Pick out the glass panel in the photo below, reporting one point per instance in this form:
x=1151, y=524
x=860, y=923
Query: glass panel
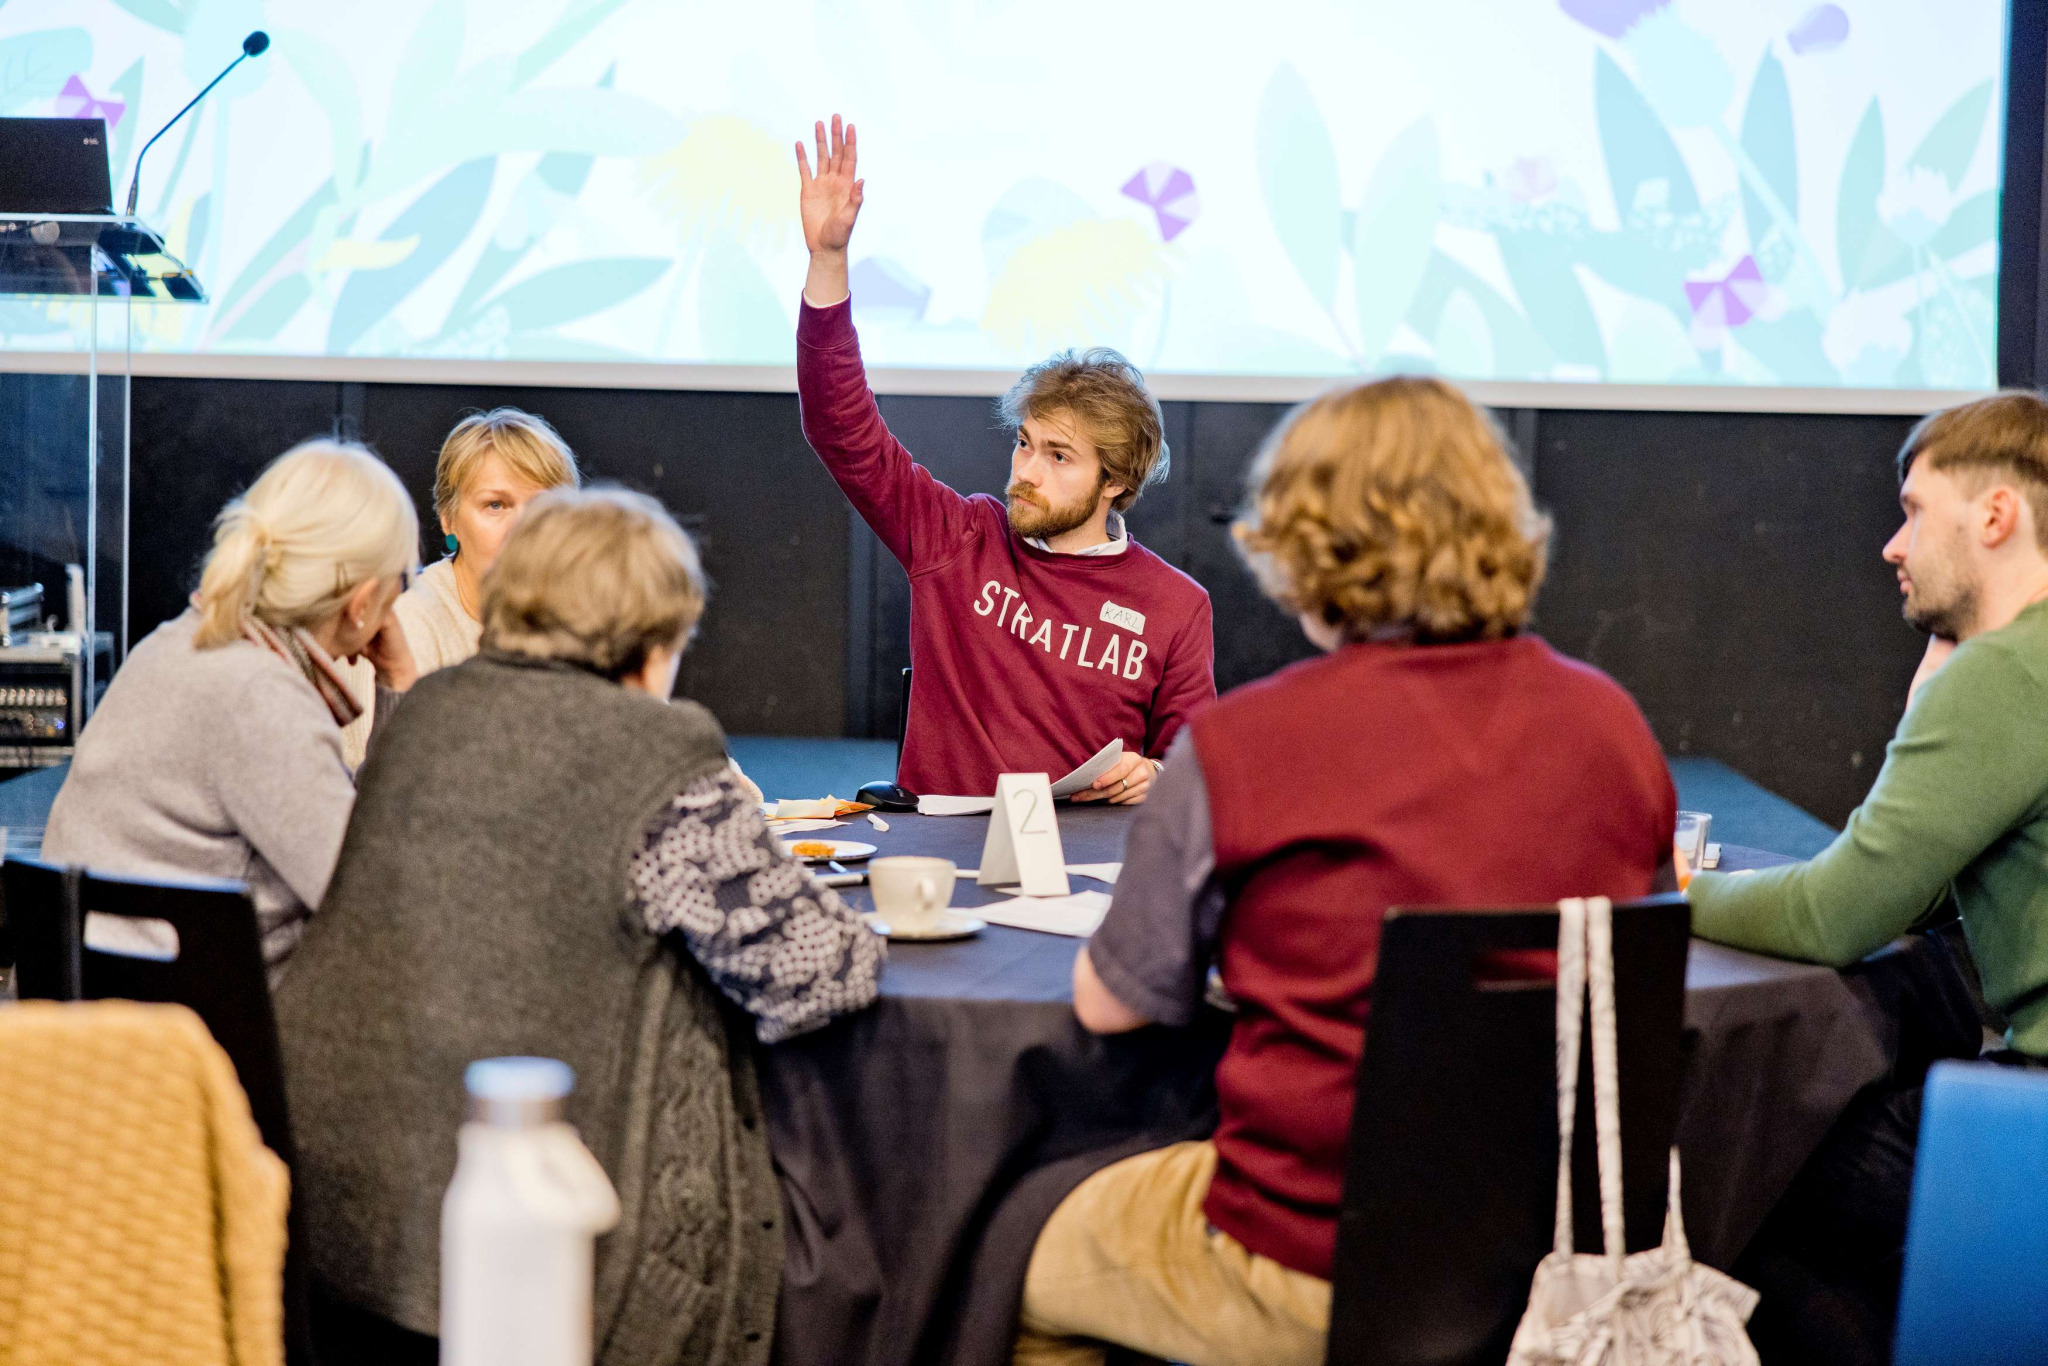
x=60, y=255
x=64, y=445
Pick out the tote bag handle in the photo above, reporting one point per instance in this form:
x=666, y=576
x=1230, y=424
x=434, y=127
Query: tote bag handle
x=1585, y=959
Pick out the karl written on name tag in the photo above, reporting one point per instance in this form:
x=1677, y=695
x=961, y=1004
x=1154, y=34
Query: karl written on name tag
x=1023, y=844
x=1128, y=618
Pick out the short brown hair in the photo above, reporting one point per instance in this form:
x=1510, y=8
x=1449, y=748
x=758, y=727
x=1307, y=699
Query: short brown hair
x=597, y=577
x=2005, y=434
x=1108, y=398
x=529, y=444
x=1395, y=506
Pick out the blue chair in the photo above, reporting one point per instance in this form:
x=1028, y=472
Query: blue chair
x=1975, y=1288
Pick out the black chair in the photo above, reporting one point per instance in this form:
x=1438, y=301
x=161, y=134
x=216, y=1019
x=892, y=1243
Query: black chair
x=216, y=970
x=1450, y=1182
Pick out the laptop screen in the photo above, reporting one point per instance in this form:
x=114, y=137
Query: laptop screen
x=54, y=166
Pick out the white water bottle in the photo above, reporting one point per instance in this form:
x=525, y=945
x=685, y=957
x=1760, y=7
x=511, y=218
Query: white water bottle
x=517, y=1225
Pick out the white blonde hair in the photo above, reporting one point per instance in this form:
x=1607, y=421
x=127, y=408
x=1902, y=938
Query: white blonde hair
x=321, y=520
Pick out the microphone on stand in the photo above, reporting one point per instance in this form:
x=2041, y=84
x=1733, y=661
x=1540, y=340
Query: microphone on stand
x=252, y=46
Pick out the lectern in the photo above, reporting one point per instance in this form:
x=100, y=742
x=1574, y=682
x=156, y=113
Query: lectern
x=69, y=284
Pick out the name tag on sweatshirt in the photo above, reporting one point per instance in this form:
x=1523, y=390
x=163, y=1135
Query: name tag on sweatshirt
x=1128, y=618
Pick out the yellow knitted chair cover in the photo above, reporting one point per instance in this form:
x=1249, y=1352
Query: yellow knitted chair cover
x=141, y=1217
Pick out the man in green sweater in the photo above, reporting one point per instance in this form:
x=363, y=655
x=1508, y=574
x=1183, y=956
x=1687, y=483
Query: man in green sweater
x=1959, y=808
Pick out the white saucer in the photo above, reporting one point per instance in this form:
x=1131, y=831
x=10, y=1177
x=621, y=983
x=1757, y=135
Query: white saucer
x=845, y=851
x=951, y=925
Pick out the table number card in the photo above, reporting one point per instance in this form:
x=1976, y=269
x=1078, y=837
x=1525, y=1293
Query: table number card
x=1023, y=844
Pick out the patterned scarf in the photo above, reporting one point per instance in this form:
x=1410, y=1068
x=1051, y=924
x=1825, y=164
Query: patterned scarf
x=297, y=648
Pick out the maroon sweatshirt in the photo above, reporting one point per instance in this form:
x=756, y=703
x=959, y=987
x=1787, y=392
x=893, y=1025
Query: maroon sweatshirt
x=1496, y=773
x=1025, y=661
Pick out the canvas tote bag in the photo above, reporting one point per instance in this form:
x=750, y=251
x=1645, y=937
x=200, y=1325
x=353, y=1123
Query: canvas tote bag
x=1654, y=1308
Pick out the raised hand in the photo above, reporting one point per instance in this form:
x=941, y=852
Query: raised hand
x=830, y=200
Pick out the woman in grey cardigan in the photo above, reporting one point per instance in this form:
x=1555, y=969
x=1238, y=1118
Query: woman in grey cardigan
x=217, y=749
x=549, y=857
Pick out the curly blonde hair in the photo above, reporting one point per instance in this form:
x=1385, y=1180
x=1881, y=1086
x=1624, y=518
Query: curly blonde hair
x=1393, y=507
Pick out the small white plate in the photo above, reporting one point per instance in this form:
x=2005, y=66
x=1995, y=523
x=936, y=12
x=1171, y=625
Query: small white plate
x=951, y=925
x=843, y=850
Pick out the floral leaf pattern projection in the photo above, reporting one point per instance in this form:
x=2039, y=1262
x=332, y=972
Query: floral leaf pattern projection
x=1581, y=191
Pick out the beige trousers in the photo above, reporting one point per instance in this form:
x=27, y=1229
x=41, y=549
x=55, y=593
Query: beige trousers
x=1128, y=1259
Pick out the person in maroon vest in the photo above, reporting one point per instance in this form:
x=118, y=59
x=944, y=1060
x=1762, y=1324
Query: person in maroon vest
x=1040, y=630
x=1438, y=755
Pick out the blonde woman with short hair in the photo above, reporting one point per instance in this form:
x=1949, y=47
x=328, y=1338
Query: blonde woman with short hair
x=490, y=467
x=217, y=751
x=550, y=857
x=1436, y=755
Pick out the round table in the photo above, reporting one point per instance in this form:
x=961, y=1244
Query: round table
x=922, y=1143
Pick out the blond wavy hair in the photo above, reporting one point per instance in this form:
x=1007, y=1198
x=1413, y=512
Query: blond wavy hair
x=320, y=520
x=599, y=578
x=1394, y=508
x=529, y=446
x=1107, y=398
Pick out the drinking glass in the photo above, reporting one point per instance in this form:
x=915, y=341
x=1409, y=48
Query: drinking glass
x=1690, y=839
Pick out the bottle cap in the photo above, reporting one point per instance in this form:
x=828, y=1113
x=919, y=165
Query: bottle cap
x=517, y=1093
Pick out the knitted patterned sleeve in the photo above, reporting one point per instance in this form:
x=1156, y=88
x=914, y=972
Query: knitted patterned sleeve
x=783, y=947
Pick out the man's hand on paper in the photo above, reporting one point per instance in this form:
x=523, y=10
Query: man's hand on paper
x=1124, y=785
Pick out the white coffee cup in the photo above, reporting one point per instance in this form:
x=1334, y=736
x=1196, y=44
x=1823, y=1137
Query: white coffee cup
x=911, y=892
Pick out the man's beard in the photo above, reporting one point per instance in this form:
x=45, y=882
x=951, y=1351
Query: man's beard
x=1035, y=520
x=1943, y=599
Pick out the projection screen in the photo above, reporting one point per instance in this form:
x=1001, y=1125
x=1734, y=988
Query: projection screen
x=1692, y=203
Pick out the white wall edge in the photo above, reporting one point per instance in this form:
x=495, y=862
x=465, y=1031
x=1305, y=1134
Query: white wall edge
x=1172, y=387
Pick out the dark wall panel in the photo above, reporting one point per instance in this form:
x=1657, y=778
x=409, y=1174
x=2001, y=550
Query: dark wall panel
x=1253, y=637
x=194, y=444
x=43, y=481
x=1725, y=568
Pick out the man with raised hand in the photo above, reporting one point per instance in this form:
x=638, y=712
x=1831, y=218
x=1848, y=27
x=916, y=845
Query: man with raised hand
x=1959, y=810
x=1039, y=629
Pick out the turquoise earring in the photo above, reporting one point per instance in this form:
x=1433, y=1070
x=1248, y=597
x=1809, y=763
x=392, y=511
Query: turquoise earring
x=450, y=541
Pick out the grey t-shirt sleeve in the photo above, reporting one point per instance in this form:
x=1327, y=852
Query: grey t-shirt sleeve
x=1154, y=947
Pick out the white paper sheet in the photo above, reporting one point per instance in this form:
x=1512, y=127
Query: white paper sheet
x=1102, y=762
x=799, y=827
x=955, y=806
x=1101, y=872
x=1105, y=759
x=1075, y=916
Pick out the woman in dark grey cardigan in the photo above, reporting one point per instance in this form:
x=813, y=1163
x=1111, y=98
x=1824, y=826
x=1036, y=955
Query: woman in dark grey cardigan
x=549, y=857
